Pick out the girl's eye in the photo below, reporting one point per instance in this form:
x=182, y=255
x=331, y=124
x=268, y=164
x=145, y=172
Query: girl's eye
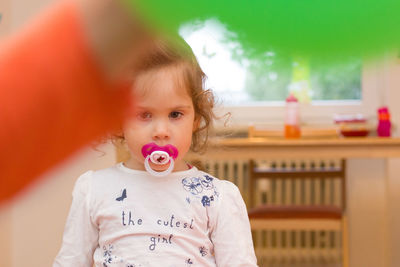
x=144, y=115
x=175, y=114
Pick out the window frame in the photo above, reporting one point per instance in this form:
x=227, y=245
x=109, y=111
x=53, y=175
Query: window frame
x=316, y=112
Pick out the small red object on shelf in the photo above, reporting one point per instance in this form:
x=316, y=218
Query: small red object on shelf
x=384, y=124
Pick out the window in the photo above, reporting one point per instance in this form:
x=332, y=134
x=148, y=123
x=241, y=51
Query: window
x=254, y=88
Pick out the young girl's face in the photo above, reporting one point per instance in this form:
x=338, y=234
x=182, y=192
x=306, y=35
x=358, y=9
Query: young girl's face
x=163, y=113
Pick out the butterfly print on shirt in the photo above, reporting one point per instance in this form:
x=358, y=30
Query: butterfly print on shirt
x=123, y=196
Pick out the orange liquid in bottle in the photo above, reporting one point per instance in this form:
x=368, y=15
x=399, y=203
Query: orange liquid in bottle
x=292, y=128
x=292, y=131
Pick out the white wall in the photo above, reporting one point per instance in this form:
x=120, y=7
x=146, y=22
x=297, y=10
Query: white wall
x=6, y=238
x=5, y=20
x=23, y=11
x=38, y=216
x=367, y=212
x=374, y=188
x=392, y=98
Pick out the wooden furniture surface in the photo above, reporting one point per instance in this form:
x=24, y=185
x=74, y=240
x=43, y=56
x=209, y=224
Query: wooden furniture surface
x=365, y=147
x=290, y=216
x=306, y=132
x=239, y=148
x=326, y=173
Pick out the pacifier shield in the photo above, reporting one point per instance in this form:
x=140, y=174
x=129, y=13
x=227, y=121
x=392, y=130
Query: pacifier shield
x=151, y=147
x=159, y=155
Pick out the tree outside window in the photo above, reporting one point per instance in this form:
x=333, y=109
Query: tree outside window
x=243, y=78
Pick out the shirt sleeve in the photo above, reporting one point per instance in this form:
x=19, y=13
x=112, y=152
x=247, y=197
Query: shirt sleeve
x=230, y=230
x=54, y=97
x=81, y=234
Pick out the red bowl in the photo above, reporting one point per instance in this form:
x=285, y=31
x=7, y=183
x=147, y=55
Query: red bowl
x=355, y=133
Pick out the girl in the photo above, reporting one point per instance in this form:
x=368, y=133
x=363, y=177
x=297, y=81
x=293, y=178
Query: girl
x=155, y=209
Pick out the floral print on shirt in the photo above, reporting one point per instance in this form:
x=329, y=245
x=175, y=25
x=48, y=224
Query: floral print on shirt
x=107, y=255
x=201, y=188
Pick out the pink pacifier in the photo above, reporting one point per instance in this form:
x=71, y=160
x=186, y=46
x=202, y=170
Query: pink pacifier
x=159, y=155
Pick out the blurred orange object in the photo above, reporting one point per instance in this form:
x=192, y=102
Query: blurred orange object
x=54, y=98
x=292, y=117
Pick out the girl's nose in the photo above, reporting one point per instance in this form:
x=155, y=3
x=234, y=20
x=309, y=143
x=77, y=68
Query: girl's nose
x=161, y=130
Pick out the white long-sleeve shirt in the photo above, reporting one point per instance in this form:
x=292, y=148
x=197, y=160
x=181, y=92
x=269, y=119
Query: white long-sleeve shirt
x=128, y=218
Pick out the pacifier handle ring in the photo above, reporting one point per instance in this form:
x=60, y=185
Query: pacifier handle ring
x=156, y=173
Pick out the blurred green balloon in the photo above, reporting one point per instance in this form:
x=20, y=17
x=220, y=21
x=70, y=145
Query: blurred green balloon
x=337, y=28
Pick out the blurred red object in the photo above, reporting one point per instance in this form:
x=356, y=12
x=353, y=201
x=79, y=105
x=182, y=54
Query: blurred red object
x=384, y=123
x=352, y=125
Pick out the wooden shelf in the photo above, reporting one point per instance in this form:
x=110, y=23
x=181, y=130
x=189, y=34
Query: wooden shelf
x=365, y=147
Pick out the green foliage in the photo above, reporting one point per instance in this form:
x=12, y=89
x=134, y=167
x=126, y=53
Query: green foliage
x=268, y=77
x=337, y=81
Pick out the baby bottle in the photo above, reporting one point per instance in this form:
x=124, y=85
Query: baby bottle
x=292, y=127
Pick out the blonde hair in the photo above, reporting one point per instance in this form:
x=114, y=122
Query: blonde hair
x=176, y=53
